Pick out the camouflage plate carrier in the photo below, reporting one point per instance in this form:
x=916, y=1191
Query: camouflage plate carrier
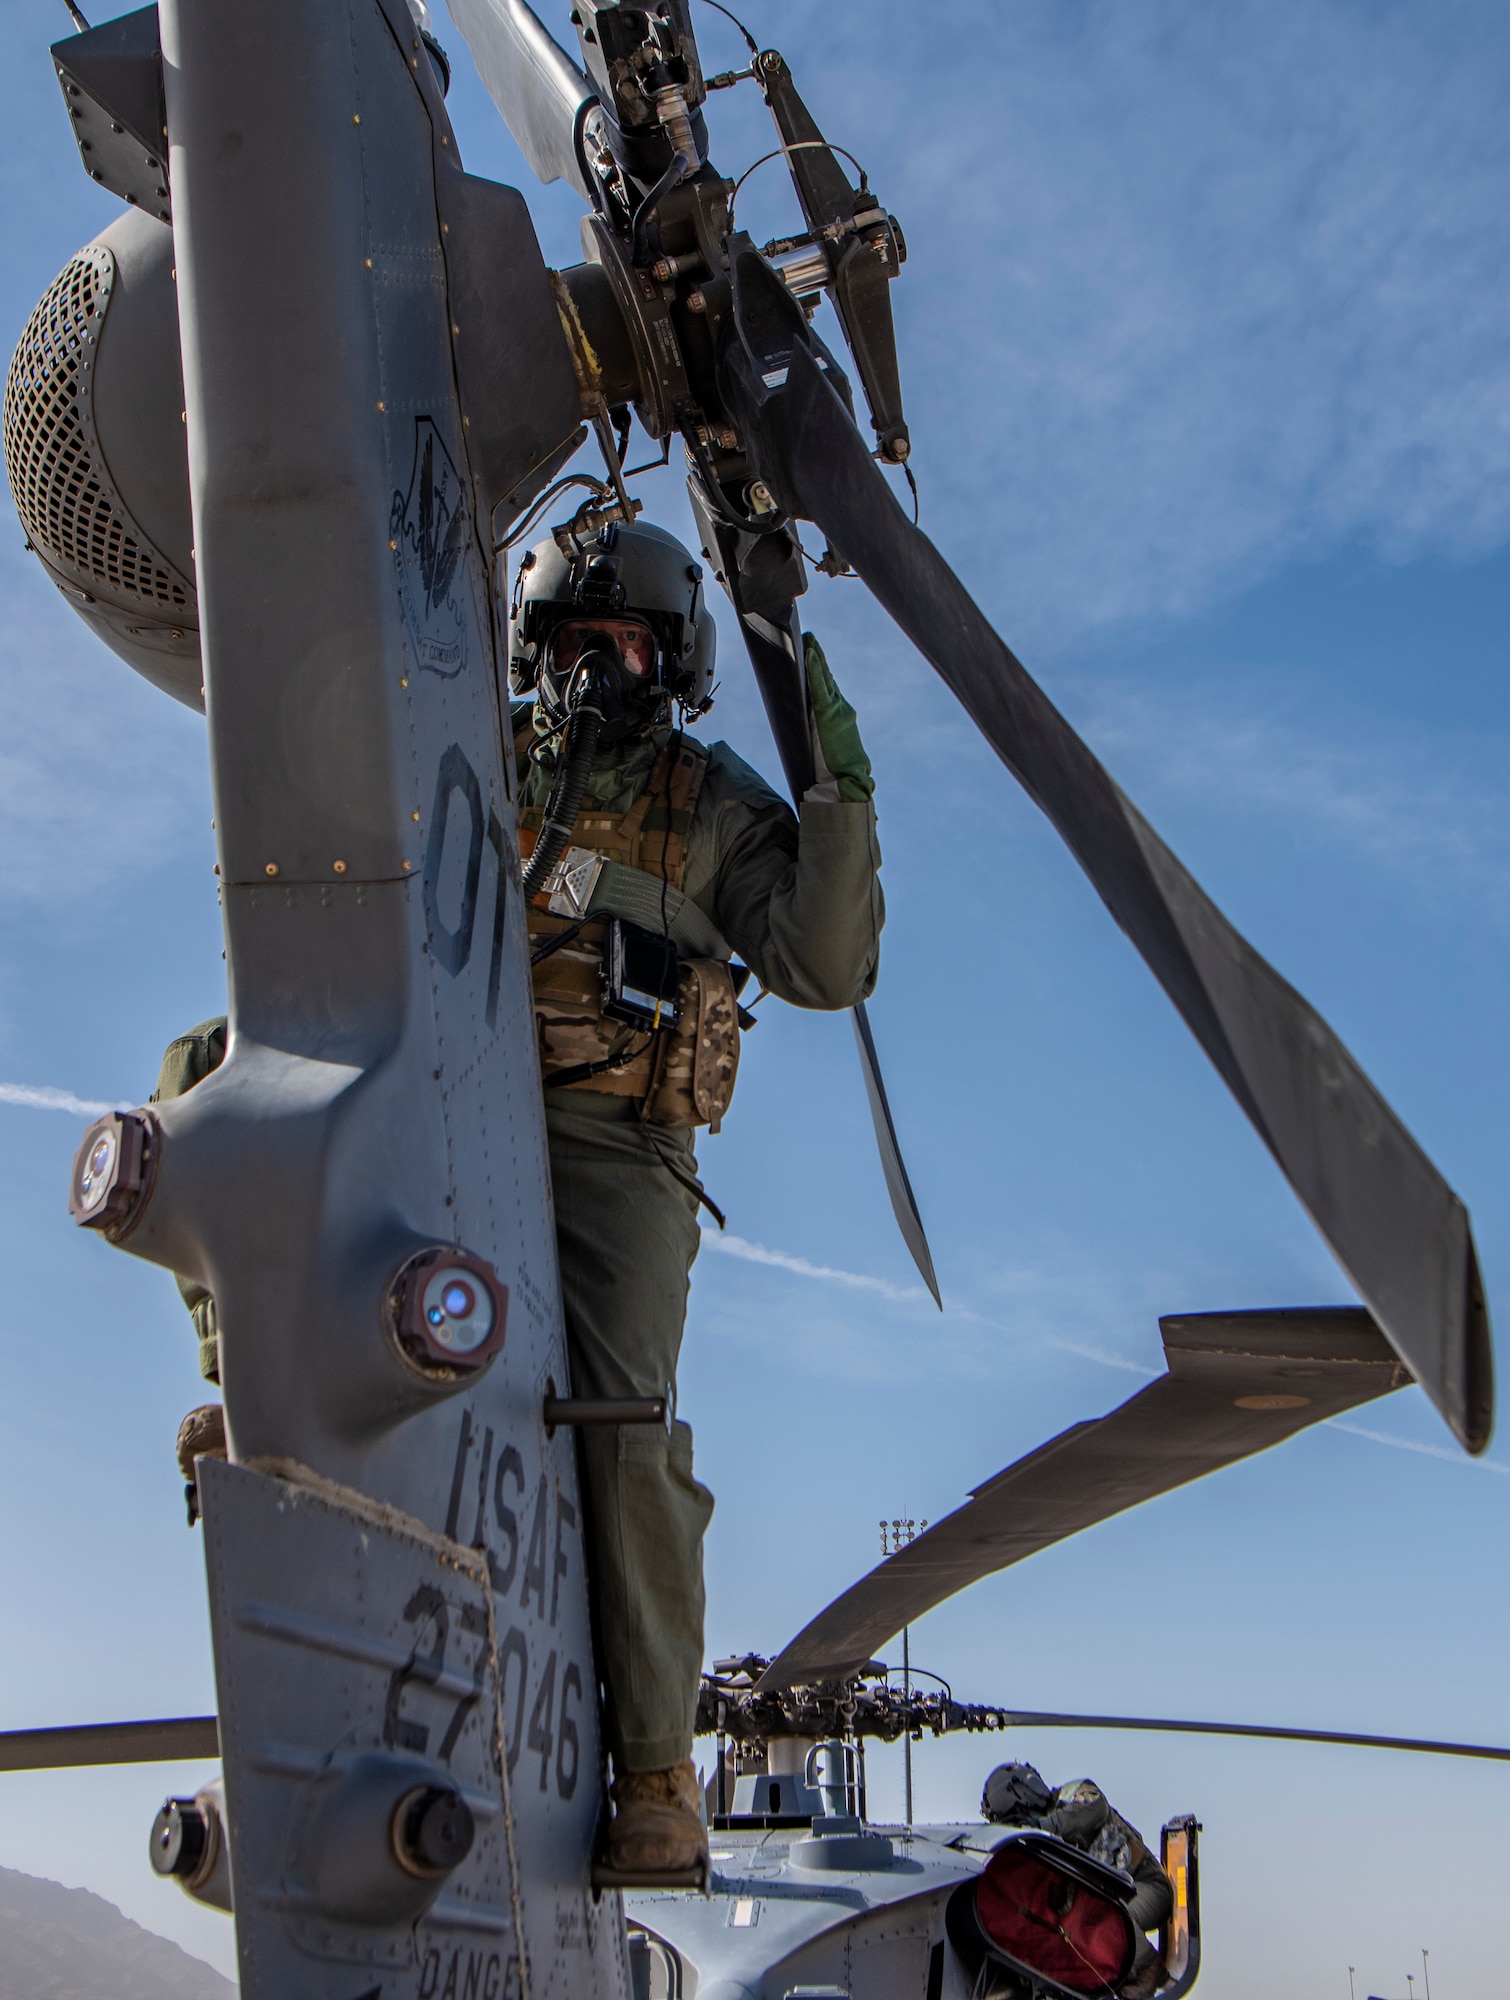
x=679, y=1076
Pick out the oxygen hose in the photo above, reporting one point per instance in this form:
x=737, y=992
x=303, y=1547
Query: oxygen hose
x=577, y=752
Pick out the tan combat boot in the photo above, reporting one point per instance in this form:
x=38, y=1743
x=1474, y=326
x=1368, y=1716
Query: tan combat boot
x=657, y=1822
x=200, y=1435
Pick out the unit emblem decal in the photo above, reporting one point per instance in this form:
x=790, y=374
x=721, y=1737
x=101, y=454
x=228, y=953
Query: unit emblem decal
x=428, y=528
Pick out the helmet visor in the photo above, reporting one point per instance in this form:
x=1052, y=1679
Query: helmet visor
x=634, y=639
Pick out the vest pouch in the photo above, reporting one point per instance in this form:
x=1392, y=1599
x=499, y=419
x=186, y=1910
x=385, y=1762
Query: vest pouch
x=697, y=1061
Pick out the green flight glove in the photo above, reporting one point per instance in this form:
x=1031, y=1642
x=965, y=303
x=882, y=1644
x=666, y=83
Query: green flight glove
x=840, y=753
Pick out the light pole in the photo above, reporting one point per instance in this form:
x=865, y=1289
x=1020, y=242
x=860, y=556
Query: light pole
x=1350, y=1993
x=903, y=1532
x=1410, y=1980
x=1426, y=1971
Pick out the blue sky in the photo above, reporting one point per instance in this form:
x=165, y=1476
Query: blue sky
x=1204, y=340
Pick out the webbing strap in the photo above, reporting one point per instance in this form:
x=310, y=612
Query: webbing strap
x=655, y=906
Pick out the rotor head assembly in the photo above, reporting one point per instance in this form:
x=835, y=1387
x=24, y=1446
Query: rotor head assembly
x=644, y=65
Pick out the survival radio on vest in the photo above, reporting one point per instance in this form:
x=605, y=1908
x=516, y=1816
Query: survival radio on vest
x=641, y=976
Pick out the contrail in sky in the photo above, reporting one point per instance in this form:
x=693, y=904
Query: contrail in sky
x=1413, y=1444
x=40, y=1098
x=783, y=1260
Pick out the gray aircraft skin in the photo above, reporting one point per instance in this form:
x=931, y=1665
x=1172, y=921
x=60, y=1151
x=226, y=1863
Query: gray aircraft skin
x=394, y=1554
x=378, y=378
x=840, y=1907
x=778, y=1920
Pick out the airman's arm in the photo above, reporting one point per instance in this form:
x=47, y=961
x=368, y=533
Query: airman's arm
x=799, y=898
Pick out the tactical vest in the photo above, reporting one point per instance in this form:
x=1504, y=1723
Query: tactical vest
x=680, y=1076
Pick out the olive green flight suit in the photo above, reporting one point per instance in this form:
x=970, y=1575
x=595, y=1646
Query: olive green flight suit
x=800, y=902
x=188, y=1061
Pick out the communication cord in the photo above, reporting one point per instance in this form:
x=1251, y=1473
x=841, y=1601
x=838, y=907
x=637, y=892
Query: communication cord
x=577, y=752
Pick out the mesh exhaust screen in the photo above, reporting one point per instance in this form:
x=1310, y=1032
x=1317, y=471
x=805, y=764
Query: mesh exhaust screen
x=68, y=506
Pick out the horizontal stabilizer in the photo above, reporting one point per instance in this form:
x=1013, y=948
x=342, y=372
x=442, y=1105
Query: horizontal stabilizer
x=1238, y=1383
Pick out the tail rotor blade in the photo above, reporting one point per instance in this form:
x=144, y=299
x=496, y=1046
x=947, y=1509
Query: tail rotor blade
x=762, y=578
x=1389, y=1217
x=541, y=93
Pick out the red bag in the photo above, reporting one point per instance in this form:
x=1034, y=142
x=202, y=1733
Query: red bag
x=1036, y=1914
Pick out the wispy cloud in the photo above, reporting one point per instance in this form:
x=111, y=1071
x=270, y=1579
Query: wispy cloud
x=1023, y=1325
x=39, y=1097
x=1202, y=288
x=100, y=775
x=802, y=1267
x=1440, y=821
x=1414, y=1444
x=1086, y=1352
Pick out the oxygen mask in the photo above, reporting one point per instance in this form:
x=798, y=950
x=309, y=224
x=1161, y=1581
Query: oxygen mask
x=614, y=661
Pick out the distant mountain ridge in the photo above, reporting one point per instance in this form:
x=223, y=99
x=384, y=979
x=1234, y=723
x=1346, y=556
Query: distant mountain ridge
x=69, y=1944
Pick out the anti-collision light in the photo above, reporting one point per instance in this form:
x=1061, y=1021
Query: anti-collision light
x=113, y=1173
x=447, y=1312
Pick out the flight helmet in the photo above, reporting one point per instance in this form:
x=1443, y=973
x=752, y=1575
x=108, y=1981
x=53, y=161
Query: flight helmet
x=1016, y=1795
x=633, y=596
x=1080, y=1811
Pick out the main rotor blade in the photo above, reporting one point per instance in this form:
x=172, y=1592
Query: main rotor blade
x=1025, y=1718
x=1395, y=1226
x=1237, y=1383
x=542, y=94
x=167, y=1742
x=761, y=582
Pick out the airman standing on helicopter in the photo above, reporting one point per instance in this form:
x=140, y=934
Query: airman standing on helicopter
x=724, y=868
